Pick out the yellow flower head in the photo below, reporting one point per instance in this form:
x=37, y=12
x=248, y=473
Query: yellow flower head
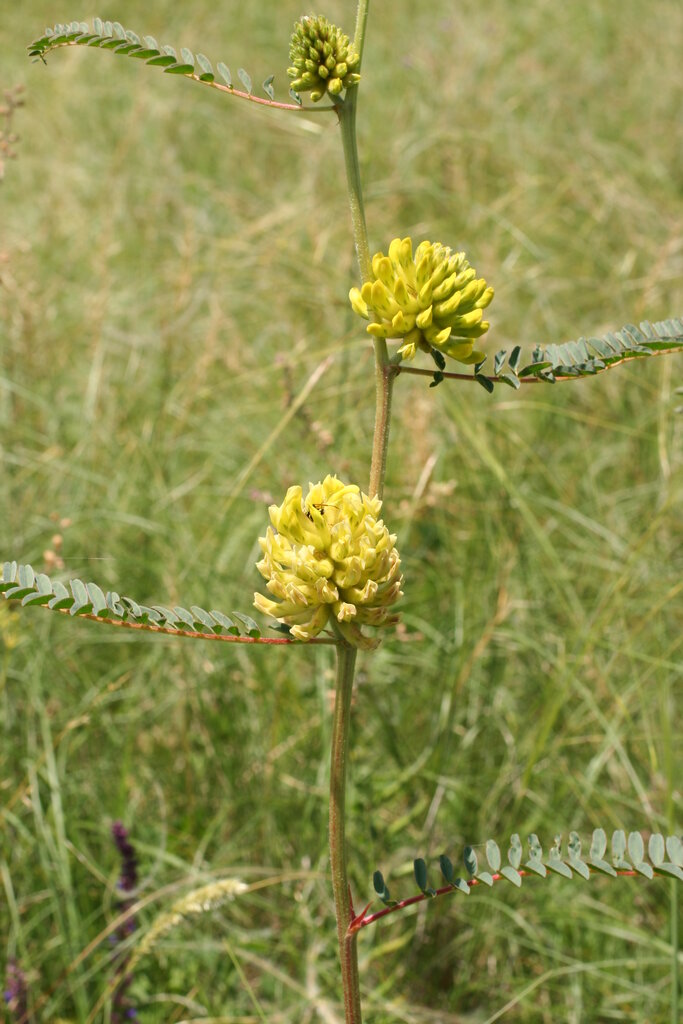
x=432, y=300
x=329, y=558
x=323, y=58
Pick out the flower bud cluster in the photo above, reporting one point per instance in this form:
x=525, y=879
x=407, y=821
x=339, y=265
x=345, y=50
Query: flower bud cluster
x=323, y=59
x=432, y=300
x=329, y=559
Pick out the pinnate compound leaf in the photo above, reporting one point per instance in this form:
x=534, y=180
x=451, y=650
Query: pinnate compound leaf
x=554, y=862
x=588, y=356
x=21, y=583
x=107, y=35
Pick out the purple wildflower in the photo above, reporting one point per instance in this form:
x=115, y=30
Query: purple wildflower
x=16, y=993
x=122, y=1009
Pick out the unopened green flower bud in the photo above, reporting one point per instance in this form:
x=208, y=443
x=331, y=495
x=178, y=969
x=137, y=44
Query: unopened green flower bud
x=323, y=59
x=329, y=559
x=432, y=300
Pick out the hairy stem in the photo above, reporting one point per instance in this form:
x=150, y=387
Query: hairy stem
x=385, y=373
x=675, y=986
x=346, y=663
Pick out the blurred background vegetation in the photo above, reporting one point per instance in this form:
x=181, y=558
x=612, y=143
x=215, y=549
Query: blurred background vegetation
x=175, y=266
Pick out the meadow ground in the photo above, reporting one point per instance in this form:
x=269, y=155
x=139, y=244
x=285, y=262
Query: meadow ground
x=175, y=266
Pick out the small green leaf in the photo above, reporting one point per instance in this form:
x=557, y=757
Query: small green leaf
x=636, y=847
x=225, y=622
x=470, y=859
x=462, y=886
x=574, y=856
x=672, y=870
x=182, y=615
x=178, y=69
x=674, y=848
x=515, y=851
x=114, y=605
x=598, y=844
x=535, y=862
x=164, y=60
x=619, y=849
x=485, y=877
x=224, y=72
x=420, y=872
x=498, y=361
x=509, y=378
x=380, y=887
x=250, y=626
x=244, y=79
x=446, y=868
x=513, y=361
x=205, y=67
x=511, y=875
x=485, y=382
x=82, y=604
x=144, y=54
x=268, y=87
x=555, y=861
x=187, y=56
x=165, y=613
x=203, y=621
x=656, y=849
x=26, y=576
x=62, y=598
x=295, y=96
x=97, y=599
x=133, y=608
x=493, y=855
x=9, y=570
x=42, y=591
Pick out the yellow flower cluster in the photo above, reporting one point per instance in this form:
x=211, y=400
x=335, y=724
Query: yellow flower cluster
x=432, y=300
x=329, y=559
x=323, y=58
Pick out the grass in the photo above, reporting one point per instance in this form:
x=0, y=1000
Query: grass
x=175, y=267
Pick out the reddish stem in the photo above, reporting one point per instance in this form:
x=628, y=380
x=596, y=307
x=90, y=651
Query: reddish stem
x=361, y=921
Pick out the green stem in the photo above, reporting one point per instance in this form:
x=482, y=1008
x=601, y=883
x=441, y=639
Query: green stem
x=346, y=663
x=385, y=372
x=675, y=987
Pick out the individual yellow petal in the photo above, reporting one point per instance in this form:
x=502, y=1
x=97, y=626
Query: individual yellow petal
x=358, y=303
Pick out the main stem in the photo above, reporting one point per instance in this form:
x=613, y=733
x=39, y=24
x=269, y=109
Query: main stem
x=675, y=987
x=385, y=374
x=346, y=663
